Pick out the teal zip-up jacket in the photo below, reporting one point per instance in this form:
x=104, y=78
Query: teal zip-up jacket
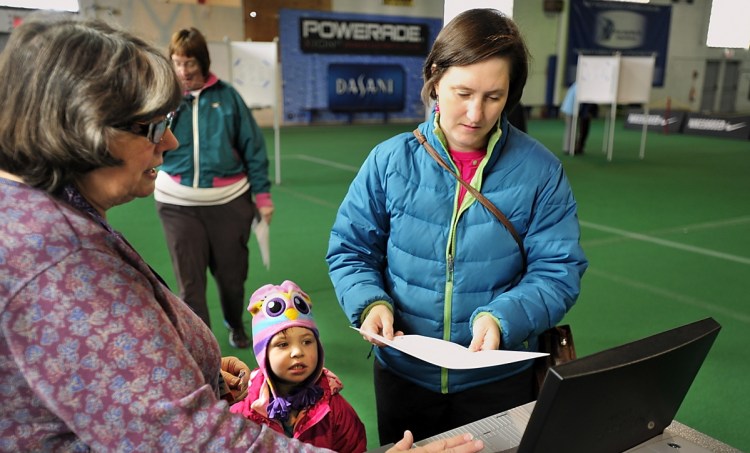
x=229, y=141
x=399, y=237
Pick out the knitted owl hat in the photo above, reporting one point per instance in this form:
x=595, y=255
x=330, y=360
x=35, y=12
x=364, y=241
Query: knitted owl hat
x=274, y=309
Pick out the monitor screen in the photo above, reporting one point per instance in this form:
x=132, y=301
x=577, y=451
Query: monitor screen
x=618, y=398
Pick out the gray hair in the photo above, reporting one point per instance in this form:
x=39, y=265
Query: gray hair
x=67, y=84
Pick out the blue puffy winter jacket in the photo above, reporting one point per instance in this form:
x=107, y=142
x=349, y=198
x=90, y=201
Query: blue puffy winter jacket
x=400, y=237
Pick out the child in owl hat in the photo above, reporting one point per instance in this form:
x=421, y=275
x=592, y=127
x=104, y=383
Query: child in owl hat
x=314, y=410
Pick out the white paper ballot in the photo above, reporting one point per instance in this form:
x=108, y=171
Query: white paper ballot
x=261, y=230
x=451, y=355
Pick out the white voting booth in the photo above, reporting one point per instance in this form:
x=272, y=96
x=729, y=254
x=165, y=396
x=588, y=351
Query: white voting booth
x=252, y=69
x=613, y=79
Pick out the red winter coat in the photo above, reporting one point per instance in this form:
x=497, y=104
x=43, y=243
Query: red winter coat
x=331, y=423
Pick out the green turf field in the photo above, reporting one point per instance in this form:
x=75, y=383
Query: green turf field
x=667, y=237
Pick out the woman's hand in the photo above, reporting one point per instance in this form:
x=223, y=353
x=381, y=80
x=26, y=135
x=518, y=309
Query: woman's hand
x=463, y=443
x=266, y=212
x=485, y=334
x=237, y=376
x=379, y=321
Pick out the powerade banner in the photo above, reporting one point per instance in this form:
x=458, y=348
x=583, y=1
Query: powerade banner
x=365, y=87
x=318, y=35
x=342, y=67
x=603, y=28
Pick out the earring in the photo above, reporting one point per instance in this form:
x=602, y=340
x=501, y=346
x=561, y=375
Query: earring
x=437, y=105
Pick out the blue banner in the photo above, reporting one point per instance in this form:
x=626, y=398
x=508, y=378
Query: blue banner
x=384, y=56
x=603, y=28
x=365, y=87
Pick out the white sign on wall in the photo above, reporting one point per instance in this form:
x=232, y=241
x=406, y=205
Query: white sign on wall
x=254, y=72
x=250, y=67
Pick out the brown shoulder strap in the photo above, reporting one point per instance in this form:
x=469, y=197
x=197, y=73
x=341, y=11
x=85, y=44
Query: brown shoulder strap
x=482, y=199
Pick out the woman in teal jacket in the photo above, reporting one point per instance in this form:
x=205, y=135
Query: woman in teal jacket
x=212, y=186
x=411, y=252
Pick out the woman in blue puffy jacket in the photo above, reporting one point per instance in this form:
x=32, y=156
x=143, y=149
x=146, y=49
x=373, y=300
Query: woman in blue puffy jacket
x=411, y=252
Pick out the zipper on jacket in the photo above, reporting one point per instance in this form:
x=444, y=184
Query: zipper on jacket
x=450, y=267
x=451, y=246
x=196, y=144
x=447, y=308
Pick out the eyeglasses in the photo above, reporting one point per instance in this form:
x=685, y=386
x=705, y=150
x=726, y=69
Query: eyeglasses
x=189, y=64
x=154, y=132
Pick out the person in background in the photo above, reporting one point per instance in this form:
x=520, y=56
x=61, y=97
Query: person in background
x=209, y=189
x=586, y=112
x=412, y=252
x=291, y=391
x=96, y=353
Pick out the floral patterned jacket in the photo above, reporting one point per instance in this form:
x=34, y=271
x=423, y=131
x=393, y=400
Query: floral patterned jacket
x=95, y=352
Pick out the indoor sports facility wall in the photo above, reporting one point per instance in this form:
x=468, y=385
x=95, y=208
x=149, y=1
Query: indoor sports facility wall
x=343, y=67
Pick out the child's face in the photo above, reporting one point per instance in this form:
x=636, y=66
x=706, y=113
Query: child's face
x=293, y=355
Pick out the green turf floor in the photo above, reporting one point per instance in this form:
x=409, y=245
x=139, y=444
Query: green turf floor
x=668, y=239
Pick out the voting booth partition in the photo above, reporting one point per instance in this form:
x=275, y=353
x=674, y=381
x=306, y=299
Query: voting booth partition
x=252, y=69
x=613, y=79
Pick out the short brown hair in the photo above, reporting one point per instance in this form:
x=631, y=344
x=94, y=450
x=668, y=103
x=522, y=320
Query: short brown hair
x=191, y=43
x=472, y=37
x=66, y=84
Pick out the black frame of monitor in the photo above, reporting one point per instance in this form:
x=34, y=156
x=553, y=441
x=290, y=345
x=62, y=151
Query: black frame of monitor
x=618, y=398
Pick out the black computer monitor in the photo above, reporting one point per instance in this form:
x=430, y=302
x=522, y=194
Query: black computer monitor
x=616, y=399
